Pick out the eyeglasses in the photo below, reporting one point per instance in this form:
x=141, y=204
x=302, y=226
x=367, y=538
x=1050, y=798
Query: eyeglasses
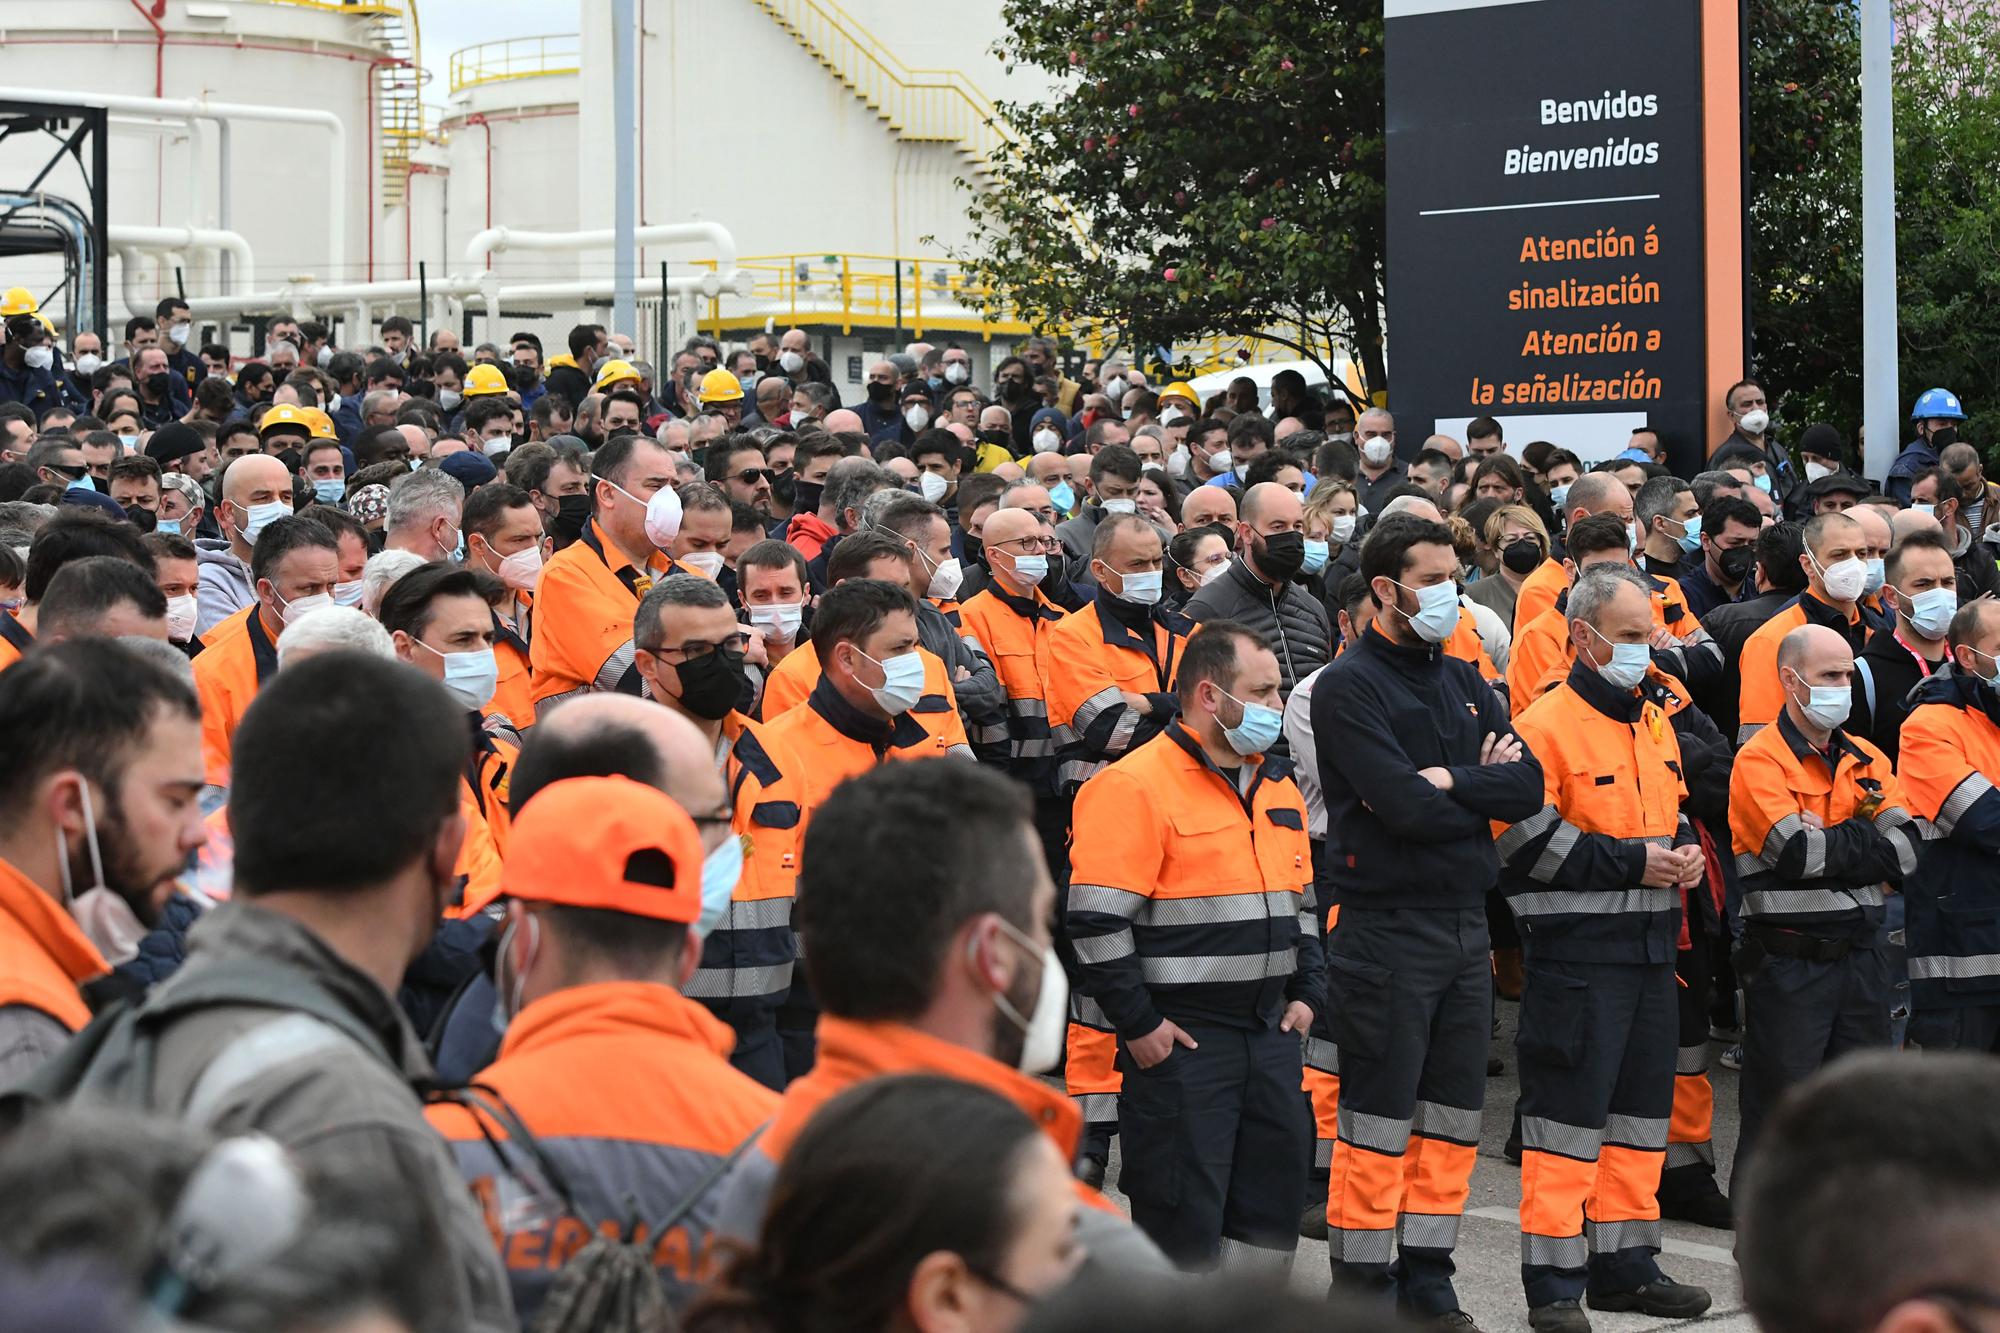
x=695, y=651
x=1030, y=545
x=750, y=476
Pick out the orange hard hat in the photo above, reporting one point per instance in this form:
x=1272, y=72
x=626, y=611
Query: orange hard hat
x=608, y=844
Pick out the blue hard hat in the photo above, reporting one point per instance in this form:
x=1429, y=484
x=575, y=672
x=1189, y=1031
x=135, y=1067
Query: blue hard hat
x=1941, y=403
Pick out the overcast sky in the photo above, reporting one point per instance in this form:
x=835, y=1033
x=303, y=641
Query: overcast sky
x=451, y=25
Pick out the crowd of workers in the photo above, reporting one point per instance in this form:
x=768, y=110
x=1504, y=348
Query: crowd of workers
x=464, y=864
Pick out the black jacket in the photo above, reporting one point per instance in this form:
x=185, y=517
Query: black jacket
x=1731, y=626
x=1885, y=674
x=1380, y=714
x=1290, y=620
x=568, y=382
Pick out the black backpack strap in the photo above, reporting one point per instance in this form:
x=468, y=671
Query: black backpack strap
x=708, y=1181
x=484, y=1102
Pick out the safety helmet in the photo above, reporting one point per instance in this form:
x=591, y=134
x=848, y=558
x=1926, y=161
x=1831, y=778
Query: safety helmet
x=318, y=422
x=284, y=414
x=721, y=386
x=1941, y=403
x=1183, y=392
x=18, y=301
x=612, y=373
x=482, y=380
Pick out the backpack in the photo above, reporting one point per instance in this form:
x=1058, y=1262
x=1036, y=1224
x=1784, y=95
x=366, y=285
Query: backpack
x=112, y=1059
x=609, y=1285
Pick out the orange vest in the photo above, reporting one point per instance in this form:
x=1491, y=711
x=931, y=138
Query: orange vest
x=482, y=798
x=792, y=682
x=514, y=693
x=585, y=601
x=1538, y=593
x=44, y=955
x=14, y=640
x=239, y=657
x=827, y=756
x=1761, y=697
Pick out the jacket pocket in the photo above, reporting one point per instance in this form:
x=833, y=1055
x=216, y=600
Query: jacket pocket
x=1358, y=997
x=1554, y=1010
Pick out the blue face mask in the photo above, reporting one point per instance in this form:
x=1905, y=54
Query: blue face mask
x=329, y=490
x=170, y=526
x=1628, y=664
x=1437, y=611
x=1316, y=555
x=1257, y=732
x=1062, y=497
x=1763, y=481
x=720, y=871
x=1559, y=495
x=1690, y=537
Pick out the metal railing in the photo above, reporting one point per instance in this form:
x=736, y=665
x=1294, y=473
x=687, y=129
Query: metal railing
x=515, y=58
x=936, y=105
x=860, y=291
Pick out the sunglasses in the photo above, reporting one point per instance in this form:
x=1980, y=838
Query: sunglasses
x=750, y=476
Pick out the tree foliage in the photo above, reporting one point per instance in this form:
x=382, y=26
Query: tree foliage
x=1215, y=167
x=1208, y=168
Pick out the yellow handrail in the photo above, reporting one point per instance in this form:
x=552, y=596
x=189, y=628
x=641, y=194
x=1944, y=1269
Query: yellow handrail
x=515, y=58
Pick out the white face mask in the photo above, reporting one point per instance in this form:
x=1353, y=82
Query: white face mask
x=1043, y=1031
x=521, y=569
x=1214, y=572
x=1220, y=461
x=663, y=513
x=325, y=357
x=1177, y=462
x=705, y=563
x=916, y=418
x=791, y=362
x=1342, y=530
x=448, y=400
x=1753, y=423
x=957, y=372
x=39, y=358
x=1047, y=441
x=349, y=592
x=291, y=612
x=1844, y=580
x=780, y=621
x=1121, y=506
x=178, y=334
x=1172, y=416
x=932, y=487
x=1114, y=389
x=1375, y=450
x=88, y=363
x=181, y=612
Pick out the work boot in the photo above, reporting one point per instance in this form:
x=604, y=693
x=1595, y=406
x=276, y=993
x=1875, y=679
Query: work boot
x=1663, y=1298
x=1090, y=1170
x=1704, y=1210
x=1451, y=1321
x=1495, y=1066
x=1312, y=1222
x=1559, y=1317
x=1511, y=1150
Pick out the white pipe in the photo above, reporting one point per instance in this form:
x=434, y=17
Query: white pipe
x=305, y=298
x=665, y=233
x=152, y=240
x=222, y=113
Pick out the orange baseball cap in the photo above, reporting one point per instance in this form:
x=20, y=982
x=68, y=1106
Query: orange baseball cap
x=609, y=844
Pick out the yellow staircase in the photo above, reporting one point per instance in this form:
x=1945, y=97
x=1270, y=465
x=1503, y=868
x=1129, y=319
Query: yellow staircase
x=923, y=105
x=399, y=112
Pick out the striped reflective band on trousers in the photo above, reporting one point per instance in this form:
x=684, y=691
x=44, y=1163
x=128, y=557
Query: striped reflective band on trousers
x=1632, y=1234
x=1690, y=1154
x=1322, y=1055
x=1540, y=1134
x=1963, y=797
x=1360, y=1247
x=1554, y=1251
x=1691, y=1059
x=1941, y=967
x=1087, y=1012
x=1098, y=1108
x=1433, y=1120
x=1427, y=1231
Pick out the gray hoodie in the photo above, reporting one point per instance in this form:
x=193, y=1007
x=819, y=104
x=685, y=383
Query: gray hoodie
x=224, y=587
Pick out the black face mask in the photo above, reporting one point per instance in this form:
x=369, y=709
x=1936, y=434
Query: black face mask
x=1737, y=562
x=784, y=487
x=999, y=437
x=1522, y=555
x=712, y=685
x=763, y=363
x=160, y=385
x=143, y=519
x=1944, y=437
x=572, y=514
x=291, y=458
x=881, y=394
x=805, y=495
x=975, y=549
x=1280, y=555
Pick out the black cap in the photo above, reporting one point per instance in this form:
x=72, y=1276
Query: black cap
x=173, y=442
x=1823, y=441
x=1838, y=483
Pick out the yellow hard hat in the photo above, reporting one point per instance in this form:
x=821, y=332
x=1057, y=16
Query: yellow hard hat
x=284, y=414
x=1181, y=391
x=614, y=372
x=320, y=423
x=720, y=386
x=482, y=380
x=18, y=301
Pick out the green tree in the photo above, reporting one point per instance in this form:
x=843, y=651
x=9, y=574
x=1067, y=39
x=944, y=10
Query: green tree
x=1222, y=166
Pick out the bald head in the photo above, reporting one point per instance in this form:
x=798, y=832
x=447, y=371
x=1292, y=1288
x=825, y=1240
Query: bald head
x=1447, y=446
x=1876, y=533
x=1413, y=506
x=1812, y=657
x=842, y=419
x=1267, y=500
x=1908, y=521
x=1598, y=493
x=1832, y=537
x=593, y=724
x=250, y=475
x=1006, y=525
x=1208, y=504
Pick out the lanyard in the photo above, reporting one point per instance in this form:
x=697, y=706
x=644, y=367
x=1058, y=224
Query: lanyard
x=1923, y=663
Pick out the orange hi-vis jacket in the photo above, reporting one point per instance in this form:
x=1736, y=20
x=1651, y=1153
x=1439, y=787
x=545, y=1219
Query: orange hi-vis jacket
x=1017, y=633
x=794, y=679
x=851, y=1053
x=1542, y=654
x=585, y=601
x=14, y=640
x=831, y=741
x=1613, y=781
x=1539, y=591
x=44, y=954
x=1093, y=660
x=1466, y=645
x=627, y=1088
x=1949, y=761
x=489, y=770
x=1190, y=894
x=1762, y=698
x=746, y=962
x=239, y=658
x=514, y=693
x=1824, y=878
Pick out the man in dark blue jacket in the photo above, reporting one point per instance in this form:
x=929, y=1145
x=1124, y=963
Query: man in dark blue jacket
x=1416, y=759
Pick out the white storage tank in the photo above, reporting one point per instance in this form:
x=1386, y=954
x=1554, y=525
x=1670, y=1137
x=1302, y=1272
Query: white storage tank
x=511, y=132
x=285, y=187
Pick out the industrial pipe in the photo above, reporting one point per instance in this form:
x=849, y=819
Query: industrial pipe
x=153, y=240
x=664, y=233
x=222, y=113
